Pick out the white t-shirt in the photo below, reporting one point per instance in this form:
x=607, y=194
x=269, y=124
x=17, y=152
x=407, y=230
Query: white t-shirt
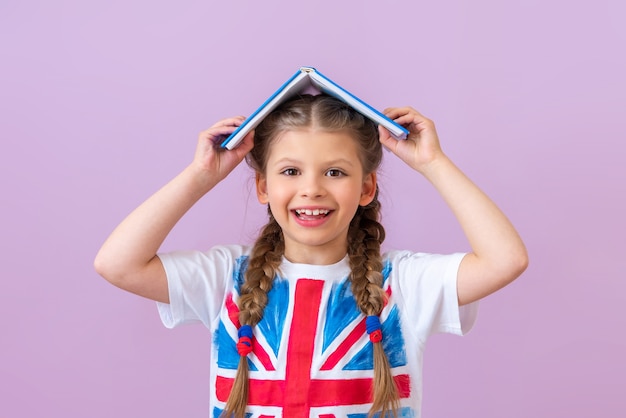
x=312, y=356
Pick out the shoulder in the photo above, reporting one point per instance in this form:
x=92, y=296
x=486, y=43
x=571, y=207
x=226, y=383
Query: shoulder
x=216, y=253
x=221, y=257
x=425, y=287
x=400, y=256
x=410, y=264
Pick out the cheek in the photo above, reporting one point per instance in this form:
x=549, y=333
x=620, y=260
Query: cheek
x=277, y=191
x=349, y=194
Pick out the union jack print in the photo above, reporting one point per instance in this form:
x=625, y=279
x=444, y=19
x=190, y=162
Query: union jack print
x=311, y=354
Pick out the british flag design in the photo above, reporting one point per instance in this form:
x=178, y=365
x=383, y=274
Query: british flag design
x=311, y=354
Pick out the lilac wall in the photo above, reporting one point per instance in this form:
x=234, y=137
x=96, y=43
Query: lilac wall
x=101, y=104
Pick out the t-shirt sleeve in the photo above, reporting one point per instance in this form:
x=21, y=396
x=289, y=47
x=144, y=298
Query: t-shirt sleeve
x=428, y=287
x=197, y=283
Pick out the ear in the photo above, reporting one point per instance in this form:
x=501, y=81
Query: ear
x=261, y=188
x=368, y=189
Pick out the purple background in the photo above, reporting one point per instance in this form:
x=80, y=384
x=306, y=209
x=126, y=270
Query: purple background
x=101, y=103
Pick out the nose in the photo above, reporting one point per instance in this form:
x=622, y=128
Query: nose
x=312, y=187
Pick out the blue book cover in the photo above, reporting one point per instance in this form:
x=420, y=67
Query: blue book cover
x=307, y=78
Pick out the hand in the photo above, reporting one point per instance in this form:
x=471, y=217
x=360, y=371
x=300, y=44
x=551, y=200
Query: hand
x=421, y=147
x=215, y=161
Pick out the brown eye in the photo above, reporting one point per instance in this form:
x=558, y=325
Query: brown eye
x=290, y=172
x=333, y=172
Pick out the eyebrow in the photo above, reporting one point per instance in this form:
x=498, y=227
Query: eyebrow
x=338, y=161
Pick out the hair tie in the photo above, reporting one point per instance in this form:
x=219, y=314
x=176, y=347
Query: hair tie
x=372, y=325
x=244, y=345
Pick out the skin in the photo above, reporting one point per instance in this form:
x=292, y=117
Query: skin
x=498, y=255
x=128, y=257
x=315, y=170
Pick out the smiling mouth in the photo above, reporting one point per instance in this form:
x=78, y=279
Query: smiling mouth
x=311, y=213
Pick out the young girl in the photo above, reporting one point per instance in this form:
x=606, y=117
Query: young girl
x=313, y=321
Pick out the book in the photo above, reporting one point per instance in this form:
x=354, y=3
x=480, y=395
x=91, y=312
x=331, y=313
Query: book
x=306, y=80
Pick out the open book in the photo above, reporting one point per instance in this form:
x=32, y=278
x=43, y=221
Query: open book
x=305, y=79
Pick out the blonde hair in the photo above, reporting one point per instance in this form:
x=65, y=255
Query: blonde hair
x=365, y=236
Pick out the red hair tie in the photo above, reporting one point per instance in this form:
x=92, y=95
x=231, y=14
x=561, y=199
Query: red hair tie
x=244, y=345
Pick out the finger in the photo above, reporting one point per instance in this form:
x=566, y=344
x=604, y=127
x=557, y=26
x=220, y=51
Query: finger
x=232, y=121
x=383, y=132
x=223, y=128
x=217, y=135
x=412, y=119
x=246, y=144
x=404, y=117
x=386, y=139
x=394, y=112
x=408, y=119
x=391, y=112
x=218, y=130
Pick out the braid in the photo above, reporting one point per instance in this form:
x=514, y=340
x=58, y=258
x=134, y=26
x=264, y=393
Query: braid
x=365, y=236
x=265, y=259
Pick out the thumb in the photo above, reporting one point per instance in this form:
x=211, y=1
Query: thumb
x=245, y=145
x=386, y=139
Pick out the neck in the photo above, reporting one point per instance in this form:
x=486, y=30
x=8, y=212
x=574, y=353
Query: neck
x=315, y=255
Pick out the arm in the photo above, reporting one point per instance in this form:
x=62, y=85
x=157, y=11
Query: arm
x=128, y=257
x=498, y=255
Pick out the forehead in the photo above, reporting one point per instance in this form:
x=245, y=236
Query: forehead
x=313, y=144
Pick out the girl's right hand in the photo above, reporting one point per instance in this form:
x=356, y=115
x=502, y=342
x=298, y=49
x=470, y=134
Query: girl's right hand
x=128, y=257
x=214, y=161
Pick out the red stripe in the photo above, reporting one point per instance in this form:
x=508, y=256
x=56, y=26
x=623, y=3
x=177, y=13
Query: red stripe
x=403, y=383
x=300, y=350
x=388, y=292
x=351, y=391
x=345, y=345
x=341, y=392
x=324, y=392
x=223, y=386
x=260, y=392
x=263, y=357
x=233, y=311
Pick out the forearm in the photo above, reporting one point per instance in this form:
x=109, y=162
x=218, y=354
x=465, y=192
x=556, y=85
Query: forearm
x=136, y=240
x=498, y=254
x=128, y=257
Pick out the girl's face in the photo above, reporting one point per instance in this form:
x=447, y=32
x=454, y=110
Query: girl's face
x=314, y=183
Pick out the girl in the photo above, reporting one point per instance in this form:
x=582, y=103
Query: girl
x=313, y=320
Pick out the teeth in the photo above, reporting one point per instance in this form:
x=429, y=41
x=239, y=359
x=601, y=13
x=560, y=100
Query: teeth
x=312, y=212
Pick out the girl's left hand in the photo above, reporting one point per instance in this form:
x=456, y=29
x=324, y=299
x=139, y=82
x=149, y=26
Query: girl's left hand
x=421, y=147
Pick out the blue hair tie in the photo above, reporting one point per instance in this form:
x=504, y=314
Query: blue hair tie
x=372, y=325
x=244, y=345
x=245, y=331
